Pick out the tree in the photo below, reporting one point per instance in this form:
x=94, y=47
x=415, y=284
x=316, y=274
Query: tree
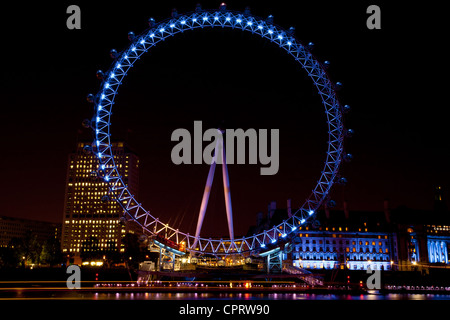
x=51, y=252
x=135, y=251
x=27, y=249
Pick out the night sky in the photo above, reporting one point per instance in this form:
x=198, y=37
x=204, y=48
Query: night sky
x=394, y=80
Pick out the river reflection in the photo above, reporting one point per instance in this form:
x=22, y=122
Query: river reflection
x=260, y=296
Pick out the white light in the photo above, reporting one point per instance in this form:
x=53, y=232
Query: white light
x=263, y=245
x=273, y=241
x=205, y=18
x=107, y=178
x=173, y=26
x=260, y=27
x=103, y=96
x=289, y=43
x=118, y=65
x=107, y=85
x=126, y=57
x=161, y=30
x=152, y=35
x=99, y=107
x=98, y=143
x=133, y=49
x=194, y=20
x=238, y=20
x=294, y=228
x=98, y=119
x=112, y=75
x=103, y=166
x=270, y=31
x=183, y=22
x=142, y=41
x=284, y=235
x=216, y=18
x=249, y=23
x=302, y=221
x=99, y=154
x=280, y=37
x=228, y=19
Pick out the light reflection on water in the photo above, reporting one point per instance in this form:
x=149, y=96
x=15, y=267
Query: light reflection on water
x=260, y=296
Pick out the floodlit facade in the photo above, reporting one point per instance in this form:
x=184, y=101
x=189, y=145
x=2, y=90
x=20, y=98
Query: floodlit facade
x=400, y=239
x=91, y=219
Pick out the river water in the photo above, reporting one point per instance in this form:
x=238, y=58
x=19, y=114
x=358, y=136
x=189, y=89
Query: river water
x=75, y=295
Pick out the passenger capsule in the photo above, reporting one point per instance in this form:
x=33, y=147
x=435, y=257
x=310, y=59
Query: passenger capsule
x=270, y=19
x=247, y=11
x=291, y=31
x=349, y=133
x=87, y=149
x=105, y=198
x=346, y=108
x=297, y=240
x=100, y=75
x=348, y=157
x=86, y=123
x=174, y=13
x=151, y=22
x=101, y=173
x=113, y=53
x=131, y=36
x=223, y=7
x=326, y=64
x=90, y=98
x=331, y=203
x=198, y=7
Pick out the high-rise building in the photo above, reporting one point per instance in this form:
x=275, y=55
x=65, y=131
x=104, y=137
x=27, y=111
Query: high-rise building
x=91, y=221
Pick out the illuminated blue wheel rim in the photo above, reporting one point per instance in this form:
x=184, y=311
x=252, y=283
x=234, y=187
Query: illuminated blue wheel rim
x=140, y=44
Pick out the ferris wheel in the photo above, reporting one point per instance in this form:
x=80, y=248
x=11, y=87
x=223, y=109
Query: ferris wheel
x=204, y=19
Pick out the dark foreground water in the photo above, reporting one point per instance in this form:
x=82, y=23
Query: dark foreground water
x=198, y=306
x=271, y=296
x=74, y=295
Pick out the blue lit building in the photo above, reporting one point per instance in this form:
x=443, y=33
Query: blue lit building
x=346, y=240
x=438, y=243
x=400, y=239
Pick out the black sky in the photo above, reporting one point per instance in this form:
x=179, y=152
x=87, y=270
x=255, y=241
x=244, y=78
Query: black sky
x=394, y=80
